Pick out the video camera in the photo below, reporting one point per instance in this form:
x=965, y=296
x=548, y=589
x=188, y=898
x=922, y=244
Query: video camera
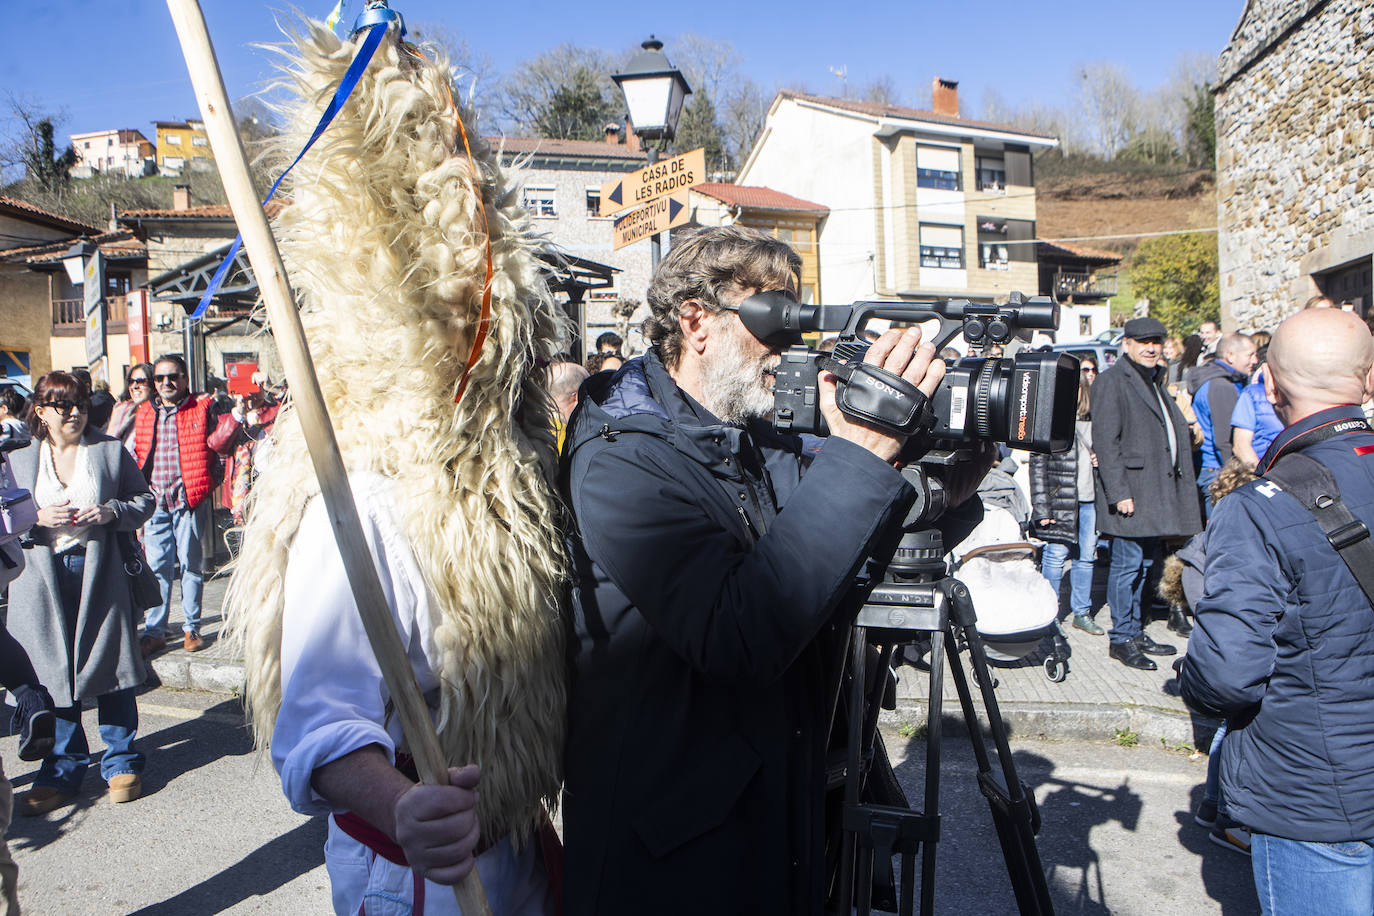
x=1029, y=402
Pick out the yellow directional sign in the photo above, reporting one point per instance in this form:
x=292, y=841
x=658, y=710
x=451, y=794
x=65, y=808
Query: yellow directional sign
x=653, y=182
x=659, y=216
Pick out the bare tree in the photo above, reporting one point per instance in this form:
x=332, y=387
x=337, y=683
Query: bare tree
x=881, y=89
x=563, y=92
x=1110, y=105
x=744, y=111
x=709, y=64
x=473, y=71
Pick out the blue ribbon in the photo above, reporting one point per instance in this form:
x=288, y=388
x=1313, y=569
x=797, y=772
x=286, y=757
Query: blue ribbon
x=355, y=71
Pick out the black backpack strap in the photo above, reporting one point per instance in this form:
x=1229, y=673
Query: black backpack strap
x=1312, y=484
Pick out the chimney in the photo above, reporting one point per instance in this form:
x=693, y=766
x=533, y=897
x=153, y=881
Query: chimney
x=631, y=138
x=181, y=197
x=944, y=97
x=613, y=133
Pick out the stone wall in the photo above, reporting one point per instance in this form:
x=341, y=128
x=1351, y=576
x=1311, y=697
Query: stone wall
x=1295, y=123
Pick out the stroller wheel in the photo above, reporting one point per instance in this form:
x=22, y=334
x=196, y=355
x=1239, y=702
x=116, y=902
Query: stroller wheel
x=1056, y=669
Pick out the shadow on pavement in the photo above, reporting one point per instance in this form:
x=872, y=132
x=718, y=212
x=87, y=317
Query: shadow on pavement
x=1226, y=875
x=257, y=874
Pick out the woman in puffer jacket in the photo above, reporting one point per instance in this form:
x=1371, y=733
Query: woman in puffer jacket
x=1062, y=511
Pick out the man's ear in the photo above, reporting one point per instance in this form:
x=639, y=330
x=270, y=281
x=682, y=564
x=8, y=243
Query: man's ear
x=693, y=320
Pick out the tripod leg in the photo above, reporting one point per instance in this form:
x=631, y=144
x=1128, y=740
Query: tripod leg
x=934, y=733
x=848, y=848
x=1014, y=820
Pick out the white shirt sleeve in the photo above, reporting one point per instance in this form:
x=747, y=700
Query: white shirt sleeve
x=333, y=698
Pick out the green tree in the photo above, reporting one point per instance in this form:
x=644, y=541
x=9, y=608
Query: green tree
x=42, y=162
x=1200, y=129
x=1178, y=274
x=698, y=127
x=565, y=93
x=577, y=110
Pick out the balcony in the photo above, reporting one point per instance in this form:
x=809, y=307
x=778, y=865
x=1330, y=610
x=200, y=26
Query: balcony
x=1082, y=285
x=69, y=316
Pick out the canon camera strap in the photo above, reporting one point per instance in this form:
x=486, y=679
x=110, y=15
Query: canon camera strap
x=1311, y=483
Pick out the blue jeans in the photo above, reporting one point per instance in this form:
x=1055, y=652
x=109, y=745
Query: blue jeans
x=1053, y=555
x=1204, y=486
x=171, y=535
x=1212, y=791
x=65, y=767
x=1130, y=565
x=1293, y=877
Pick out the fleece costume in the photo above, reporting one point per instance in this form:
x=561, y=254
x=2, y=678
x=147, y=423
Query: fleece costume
x=386, y=246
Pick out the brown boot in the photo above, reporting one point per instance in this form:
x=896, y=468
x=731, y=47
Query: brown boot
x=125, y=787
x=151, y=645
x=192, y=642
x=41, y=800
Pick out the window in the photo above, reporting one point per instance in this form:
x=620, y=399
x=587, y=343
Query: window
x=199, y=141
x=937, y=167
x=594, y=203
x=87, y=144
x=173, y=162
x=539, y=201
x=992, y=244
x=174, y=139
x=1085, y=325
x=992, y=174
x=942, y=246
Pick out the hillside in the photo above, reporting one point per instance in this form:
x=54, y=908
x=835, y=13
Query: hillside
x=1095, y=204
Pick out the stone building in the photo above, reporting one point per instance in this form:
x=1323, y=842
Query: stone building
x=1295, y=124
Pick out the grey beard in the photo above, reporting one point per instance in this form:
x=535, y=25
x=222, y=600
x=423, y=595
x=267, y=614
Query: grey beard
x=732, y=386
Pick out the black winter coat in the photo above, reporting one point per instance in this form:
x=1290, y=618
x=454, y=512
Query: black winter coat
x=1054, y=495
x=708, y=572
x=1130, y=436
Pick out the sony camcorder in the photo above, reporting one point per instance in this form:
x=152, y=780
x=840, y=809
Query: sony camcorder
x=1029, y=402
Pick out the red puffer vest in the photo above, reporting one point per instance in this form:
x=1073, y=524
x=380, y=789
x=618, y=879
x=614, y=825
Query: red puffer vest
x=199, y=465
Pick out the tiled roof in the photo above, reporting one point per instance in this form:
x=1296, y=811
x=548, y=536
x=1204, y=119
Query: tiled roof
x=589, y=149
x=881, y=110
x=118, y=244
x=202, y=212
x=20, y=209
x=1080, y=251
x=760, y=198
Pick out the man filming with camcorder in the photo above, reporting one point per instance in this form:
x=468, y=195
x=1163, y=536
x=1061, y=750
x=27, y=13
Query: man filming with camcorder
x=712, y=557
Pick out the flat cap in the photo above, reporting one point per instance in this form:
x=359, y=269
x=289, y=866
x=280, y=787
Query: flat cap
x=1143, y=328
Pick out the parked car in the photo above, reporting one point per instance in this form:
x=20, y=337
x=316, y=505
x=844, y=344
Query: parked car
x=1111, y=336
x=1104, y=353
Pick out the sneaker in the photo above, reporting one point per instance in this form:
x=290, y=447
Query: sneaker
x=151, y=645
x=1130, y=655
x=34, y=722
x=1087, y=625
x=1206, y=815
x=192, y=642
x=1230, y=835
x=1150, y=647
x=41, y=800
x=125, y=787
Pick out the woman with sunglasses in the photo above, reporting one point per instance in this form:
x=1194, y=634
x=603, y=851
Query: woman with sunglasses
x=74, y=591
x=1062, y=510
x=138, y=387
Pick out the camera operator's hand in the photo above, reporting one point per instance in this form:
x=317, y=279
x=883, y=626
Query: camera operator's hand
x=901, y=353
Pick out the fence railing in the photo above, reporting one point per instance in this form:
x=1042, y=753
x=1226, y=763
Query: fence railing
x=70, y=314
x=1085, y=283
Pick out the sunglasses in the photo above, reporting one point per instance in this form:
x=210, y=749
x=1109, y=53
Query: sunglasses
x=66, y=406
x=167, y=378
x=1092, y=369
x=140, y=380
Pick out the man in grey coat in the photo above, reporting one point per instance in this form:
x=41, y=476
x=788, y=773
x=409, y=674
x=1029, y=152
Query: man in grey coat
x=1147, y=489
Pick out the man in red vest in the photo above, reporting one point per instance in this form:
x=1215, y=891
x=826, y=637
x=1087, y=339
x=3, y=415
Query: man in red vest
x=170, y=433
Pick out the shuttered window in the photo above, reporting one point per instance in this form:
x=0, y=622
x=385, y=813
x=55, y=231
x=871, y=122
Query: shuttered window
x=937, y=167
x=942, y=246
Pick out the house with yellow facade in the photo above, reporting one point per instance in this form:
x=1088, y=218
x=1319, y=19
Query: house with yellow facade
x=182, y=145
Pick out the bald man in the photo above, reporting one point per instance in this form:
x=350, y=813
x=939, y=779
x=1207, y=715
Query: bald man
x=1284, y=641
x=565, y=379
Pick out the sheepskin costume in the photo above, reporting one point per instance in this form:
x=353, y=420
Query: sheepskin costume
x=385, y=245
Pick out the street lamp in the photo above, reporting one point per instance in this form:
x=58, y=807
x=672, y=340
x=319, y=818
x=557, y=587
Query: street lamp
x=654, y=91
x=75, y=260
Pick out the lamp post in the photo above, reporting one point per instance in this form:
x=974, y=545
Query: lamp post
x=654, y=91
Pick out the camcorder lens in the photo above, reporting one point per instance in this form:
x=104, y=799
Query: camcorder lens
x=1029, y=402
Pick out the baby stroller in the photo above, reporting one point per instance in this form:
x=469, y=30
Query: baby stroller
x=1017, y=609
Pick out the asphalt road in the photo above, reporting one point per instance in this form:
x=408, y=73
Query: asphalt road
x=213, y=834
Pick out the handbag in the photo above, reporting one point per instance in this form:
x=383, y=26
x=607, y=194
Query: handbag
x=143, y=585
x=18, y=511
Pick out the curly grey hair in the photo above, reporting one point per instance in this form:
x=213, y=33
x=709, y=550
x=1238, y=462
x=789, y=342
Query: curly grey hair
x=705, y=265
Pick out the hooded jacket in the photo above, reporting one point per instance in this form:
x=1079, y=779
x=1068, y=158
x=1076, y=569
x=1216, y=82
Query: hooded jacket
x=711, y=563
x=1216, y=386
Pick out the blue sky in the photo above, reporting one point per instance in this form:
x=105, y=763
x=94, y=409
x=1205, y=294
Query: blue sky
x=117, y=64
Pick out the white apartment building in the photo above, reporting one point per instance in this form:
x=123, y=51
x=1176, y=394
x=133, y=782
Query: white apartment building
x=117, y=152
x=921, y=203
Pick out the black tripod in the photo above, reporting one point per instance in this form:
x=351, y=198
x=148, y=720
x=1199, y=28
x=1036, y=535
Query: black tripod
x=915, y=602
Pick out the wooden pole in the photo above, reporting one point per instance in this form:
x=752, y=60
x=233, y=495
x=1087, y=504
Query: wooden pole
x=314, y=417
